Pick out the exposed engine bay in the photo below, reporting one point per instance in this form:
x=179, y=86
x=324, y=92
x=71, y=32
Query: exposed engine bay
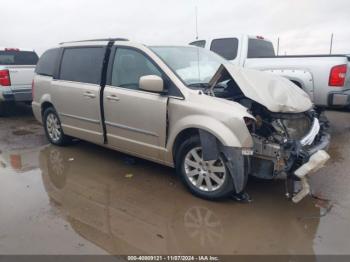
x=283, y=142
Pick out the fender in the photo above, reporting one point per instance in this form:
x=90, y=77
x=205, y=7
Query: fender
x=240, y=137
x=45, y=98
x=37, y=106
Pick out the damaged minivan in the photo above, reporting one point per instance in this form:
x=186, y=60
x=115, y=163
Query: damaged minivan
x=183, y=107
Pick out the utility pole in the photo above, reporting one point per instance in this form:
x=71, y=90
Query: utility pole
x=330, y=49
x=196, y=11
x=278, y=45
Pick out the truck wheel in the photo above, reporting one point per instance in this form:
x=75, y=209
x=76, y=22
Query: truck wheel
x=5, y=108
x=206, y=179
x=53, y=128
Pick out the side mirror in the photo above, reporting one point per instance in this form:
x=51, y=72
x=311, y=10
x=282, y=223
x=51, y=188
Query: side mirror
x=151, y=83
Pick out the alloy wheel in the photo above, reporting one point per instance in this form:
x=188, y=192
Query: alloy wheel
x=205, y=175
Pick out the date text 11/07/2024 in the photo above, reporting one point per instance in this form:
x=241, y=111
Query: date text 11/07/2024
x=173, y=258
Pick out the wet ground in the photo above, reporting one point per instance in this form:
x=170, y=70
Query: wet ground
x=84, y=199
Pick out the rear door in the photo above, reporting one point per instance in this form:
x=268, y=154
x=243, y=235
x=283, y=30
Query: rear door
x=21, y=65
x=76, y=92
x=135, y=119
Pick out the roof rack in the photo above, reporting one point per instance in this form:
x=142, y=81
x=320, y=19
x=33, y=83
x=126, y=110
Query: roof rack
x=101, y=39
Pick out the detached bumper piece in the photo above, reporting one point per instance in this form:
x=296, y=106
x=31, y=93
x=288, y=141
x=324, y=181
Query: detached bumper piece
x=310, y=157
x=315, y=162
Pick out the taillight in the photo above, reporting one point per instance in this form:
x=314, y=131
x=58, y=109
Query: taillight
x=5, y=78
x=33, y=89
x=337, y=75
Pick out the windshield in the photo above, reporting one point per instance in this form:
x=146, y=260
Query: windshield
x=195, y=66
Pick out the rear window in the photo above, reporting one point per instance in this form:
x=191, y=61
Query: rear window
x=18, y=58
x=225, y=47
x=260, y=48
x=82, y=64
x=199, y=43
x=47, y=63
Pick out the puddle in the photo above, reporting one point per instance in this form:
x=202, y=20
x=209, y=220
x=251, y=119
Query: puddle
x=84, y=199
x=22, y=132
x=147, y=214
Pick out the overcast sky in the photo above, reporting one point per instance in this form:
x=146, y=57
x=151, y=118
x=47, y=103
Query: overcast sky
x=304, y=26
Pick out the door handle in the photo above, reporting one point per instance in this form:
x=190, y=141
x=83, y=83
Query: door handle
x=113, y=98
x=89, y=94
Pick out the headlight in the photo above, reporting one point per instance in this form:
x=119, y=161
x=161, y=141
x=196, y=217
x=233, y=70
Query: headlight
x=295, y=127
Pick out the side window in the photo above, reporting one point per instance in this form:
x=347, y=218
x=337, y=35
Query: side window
x=260, y=48
x=225, y=47
x=199, y=43
x=47, y=63
x=129, y=65
x=83, y=64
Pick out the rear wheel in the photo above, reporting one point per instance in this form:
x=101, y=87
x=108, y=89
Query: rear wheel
x=53, y=128
x=5, y=108
x=206, y=179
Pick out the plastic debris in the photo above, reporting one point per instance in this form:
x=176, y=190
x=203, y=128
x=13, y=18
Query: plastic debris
x=129, y=175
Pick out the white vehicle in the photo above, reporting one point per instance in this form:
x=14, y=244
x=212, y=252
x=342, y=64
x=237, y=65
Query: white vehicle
x=16, y=75
x=326, y=78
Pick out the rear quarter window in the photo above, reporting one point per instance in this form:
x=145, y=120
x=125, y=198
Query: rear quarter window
x=260, y=48
x=47, y=62
x=18, y=58
x=225, y=47
x=83, y=64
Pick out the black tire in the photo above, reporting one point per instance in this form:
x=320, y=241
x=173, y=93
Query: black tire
x=62, y=139
x=223, y=191
x=5, y=108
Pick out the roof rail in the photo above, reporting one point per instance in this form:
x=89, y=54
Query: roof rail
x=101, y=39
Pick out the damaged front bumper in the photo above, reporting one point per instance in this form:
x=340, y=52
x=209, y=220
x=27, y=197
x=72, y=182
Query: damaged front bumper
x=293, y=158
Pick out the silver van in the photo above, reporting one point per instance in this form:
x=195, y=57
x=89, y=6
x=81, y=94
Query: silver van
x=181, y=106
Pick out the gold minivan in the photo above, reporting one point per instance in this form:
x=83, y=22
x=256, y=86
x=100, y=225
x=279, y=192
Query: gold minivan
x=184, y=107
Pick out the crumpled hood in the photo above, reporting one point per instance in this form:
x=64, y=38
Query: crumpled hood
x=276, y=93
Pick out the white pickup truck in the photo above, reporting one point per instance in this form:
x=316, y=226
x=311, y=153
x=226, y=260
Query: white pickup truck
x=16, y=75
x=326, y=78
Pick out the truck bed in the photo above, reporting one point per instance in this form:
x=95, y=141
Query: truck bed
x=318, y=67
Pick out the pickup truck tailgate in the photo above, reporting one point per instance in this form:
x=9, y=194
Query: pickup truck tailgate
x=21, y=66
x=21, y=76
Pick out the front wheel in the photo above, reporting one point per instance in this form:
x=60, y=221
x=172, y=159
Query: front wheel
x=206, y=179
x=53, y=128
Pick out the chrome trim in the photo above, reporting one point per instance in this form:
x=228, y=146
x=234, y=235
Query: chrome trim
x=131, y=128
x=81, y=118
x=310, y=137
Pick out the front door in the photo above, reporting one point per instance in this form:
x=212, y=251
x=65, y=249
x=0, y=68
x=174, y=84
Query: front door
x=135, y=119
